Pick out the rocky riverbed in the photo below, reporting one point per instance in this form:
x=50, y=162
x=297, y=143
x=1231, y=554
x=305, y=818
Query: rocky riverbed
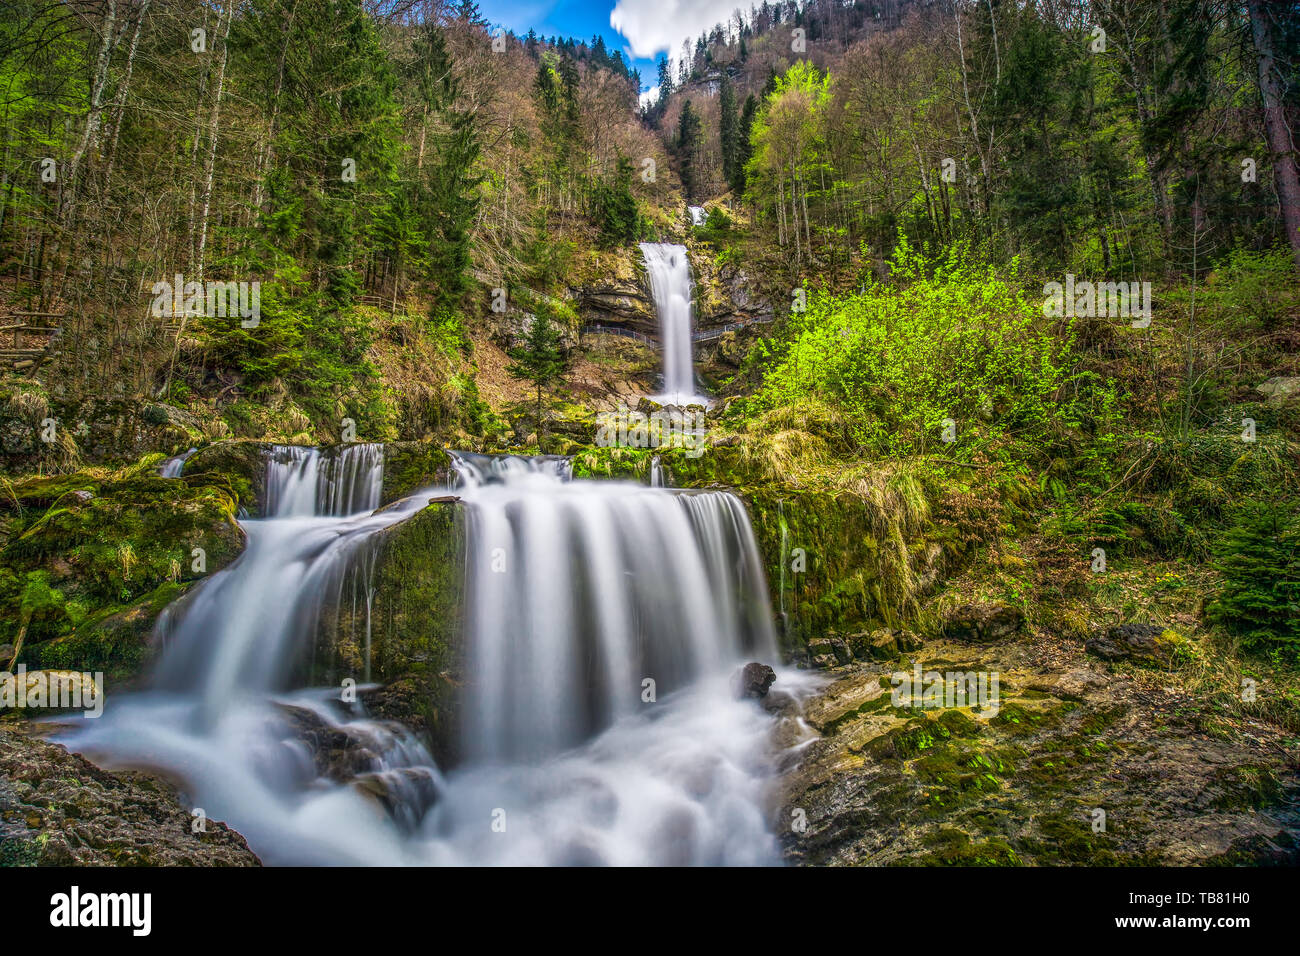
x=1081, y=762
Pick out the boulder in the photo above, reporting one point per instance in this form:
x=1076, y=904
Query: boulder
x=1281, y=388
x=882, y=644
x=983, y=622
x=828, y=652
x=1147, y=643
x=752, y=680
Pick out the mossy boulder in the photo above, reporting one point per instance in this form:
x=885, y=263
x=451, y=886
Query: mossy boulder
x=242, y=463
x=412, y=465
x=87, y=562
x=413, y=573
x=983, y=622
x=1143, y=643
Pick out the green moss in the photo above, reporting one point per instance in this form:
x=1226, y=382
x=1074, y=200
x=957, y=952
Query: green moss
x=410, y=466
x=948, y=847
x=107, y=554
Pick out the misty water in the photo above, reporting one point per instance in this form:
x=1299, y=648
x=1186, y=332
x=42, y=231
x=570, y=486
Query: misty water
x=577, y=594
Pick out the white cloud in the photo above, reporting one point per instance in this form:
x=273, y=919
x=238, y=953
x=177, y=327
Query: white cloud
x=650, y=96
x=653, y=26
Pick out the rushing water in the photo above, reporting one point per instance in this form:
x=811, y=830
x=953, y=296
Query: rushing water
x=670, y=283
x=603, y=623
x=171, y=468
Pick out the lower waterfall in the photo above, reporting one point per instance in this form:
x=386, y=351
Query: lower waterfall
x=603, y=623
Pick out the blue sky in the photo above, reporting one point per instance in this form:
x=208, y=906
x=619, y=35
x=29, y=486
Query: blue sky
x=645, y=27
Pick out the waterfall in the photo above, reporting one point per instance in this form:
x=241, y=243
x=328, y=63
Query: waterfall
x=603, y=623
x=343, y=480
x=670, y=283
x=171, y=468
x=698, y=215
x=580, y=592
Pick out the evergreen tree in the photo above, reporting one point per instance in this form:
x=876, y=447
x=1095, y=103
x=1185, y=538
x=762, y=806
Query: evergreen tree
x=665, y=77
x=449, y=193
x=743, y=148
x=728, y=128
x=1259, y=559
x=616, y=209
x=540, y=360
x=689, y=132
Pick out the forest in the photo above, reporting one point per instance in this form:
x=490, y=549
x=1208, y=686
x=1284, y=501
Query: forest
x=956, y=337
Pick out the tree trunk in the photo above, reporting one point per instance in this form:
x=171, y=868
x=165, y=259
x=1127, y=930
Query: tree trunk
x=1279, y=137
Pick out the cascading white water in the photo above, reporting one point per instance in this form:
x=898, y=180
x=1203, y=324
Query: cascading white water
x=171, y=468
x=698, y=215
x=577, y=593
x=670, y=283
x=304, y=481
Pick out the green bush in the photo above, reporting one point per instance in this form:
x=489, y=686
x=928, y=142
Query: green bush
x=946, y=340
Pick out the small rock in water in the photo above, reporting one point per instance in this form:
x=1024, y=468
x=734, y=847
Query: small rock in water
x=752, y=680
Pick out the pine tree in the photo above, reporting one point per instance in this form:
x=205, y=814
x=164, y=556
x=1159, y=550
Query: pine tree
x=743, y=147
x=1259, y=559
x=449, y=193
x=688, y=142
x=728, y=128
x=540, y=360
x=616, y=210
x=665, y=78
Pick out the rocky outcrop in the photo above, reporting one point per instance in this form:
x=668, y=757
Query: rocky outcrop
x=87, y=563
x=1073, y=766
x=621, y=304
x=409, y=641
x=983, y=623
x=58, y=809
x=1279, y=389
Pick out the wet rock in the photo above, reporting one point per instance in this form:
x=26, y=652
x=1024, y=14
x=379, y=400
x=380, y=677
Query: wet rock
x=983, y=622
x=1147, y=643
x=780, y=703
x=882, y=644
x=828, y=652
x=58, y=809
x=884, y=785
x=877, y=645
x=752, y=680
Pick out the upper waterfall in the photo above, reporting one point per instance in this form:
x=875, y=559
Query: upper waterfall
x=670, y=283
x=343, y=480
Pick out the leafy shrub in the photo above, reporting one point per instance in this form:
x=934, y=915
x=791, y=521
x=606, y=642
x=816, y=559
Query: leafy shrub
x=949, y=340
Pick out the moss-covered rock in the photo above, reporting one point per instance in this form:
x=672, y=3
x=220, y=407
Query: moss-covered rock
x=413, y=571
x=87, y=562
x=411, y=465
x=58, y=809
